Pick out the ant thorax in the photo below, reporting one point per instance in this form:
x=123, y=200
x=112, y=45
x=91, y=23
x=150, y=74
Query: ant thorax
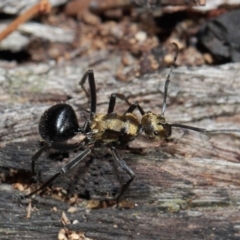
x=155, y=126
x=114, y=127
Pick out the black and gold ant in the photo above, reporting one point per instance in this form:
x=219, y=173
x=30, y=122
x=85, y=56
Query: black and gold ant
x=59, y=124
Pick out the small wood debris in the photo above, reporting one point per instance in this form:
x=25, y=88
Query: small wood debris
x=65, y=234
x=64, y=219
x=42, y=7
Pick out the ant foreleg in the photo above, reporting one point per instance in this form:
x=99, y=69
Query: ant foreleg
x=91, y=81
x=63, y=170
x=122, y=166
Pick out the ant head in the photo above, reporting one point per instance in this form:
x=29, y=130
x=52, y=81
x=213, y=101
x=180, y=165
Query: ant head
x=155, y=126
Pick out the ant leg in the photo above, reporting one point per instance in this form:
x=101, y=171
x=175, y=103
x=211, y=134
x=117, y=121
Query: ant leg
x=91, y=81
x=36, y=156
x=112, y=101
x=82, y=81
x=122, y=166
x=57, y=146
x=131, y=108
x=85, y=128
x=65, y=146
x=63, y=170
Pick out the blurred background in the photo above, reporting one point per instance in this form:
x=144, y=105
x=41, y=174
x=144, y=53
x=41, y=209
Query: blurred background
x=139, y=31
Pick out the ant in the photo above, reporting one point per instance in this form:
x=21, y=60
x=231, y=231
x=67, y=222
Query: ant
x=59, y=124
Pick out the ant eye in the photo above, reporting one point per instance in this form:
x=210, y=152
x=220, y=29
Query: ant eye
x=156, y=133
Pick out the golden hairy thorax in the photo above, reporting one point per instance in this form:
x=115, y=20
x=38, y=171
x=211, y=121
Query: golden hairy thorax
x=155, y=126
x=113, y=127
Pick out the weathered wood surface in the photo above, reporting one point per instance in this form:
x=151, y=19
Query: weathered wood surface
x=185, y=189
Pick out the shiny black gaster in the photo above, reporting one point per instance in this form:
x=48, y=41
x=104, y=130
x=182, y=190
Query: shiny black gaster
x=58, y=123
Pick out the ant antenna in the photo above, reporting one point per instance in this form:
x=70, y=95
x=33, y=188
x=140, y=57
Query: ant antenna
x=168, y=79
x=204, y=130
x=196, y=129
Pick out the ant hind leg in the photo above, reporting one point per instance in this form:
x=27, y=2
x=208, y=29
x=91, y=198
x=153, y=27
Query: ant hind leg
x=63, y=170
x=34, y=158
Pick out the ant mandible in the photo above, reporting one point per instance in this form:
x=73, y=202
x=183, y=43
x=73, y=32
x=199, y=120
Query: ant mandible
x=111, y=129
